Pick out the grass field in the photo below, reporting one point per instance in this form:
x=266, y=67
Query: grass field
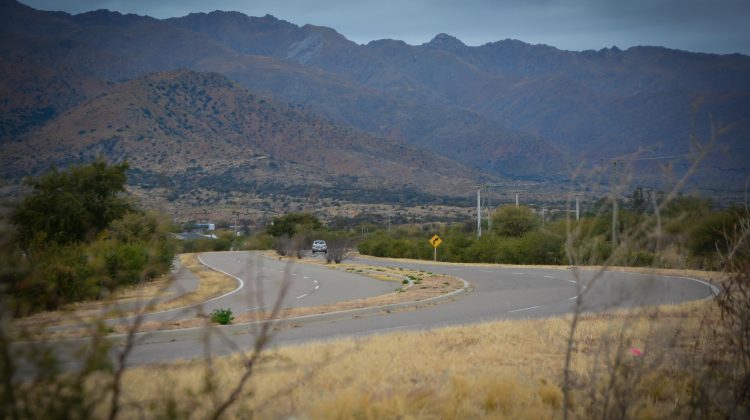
x=504, y=369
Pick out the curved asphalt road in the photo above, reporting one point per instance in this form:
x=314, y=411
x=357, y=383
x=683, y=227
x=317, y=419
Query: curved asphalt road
x=499, y=293
x=259, y=282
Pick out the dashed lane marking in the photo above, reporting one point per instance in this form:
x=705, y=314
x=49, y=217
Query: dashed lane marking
x=523, y=309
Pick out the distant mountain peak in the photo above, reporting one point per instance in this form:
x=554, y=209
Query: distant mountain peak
x=443, y=40
x=378, y=43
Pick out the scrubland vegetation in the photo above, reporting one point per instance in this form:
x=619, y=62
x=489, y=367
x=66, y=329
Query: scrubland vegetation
x=76, y=237
x=689, y=231
x=686, y=361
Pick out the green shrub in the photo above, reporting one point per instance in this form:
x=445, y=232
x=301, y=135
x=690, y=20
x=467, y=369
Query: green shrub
x=641, y=258
x=124, y=261
x=514, y=221
x=710, y=233
x=222, y=316
x=540, y=247
x=59, y=275
x=259, y=241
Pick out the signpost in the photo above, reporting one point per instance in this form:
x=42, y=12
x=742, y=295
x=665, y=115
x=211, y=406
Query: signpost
x=435, y=241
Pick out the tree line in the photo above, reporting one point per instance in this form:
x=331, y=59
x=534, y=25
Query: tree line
x=76, y=236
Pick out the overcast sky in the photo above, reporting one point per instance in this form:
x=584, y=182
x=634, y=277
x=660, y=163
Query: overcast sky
x=720, y=26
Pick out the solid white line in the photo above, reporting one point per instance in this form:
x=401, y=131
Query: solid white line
x=523, y=309
x=242, y=283
x=714, y=289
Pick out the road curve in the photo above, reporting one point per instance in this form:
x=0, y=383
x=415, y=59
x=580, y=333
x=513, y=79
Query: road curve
x=499, y=293
x=259, y=282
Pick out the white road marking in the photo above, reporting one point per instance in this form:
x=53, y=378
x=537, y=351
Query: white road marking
x=714, y=289
x=403, y=327
x=239, y=280
x=301, y=296
x=548, y=277
x=523, y=309
x=573, y=281
x=242, y=283
x=574, y=298
x=518, y=274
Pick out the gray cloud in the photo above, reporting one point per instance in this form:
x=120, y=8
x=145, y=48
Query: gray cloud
x=720, y=26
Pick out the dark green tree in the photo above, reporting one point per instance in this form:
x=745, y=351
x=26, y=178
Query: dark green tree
x=637, y=200
x=293, y=223
x=71, y=206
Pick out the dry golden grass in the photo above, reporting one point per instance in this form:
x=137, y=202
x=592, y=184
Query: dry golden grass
x=503, y=369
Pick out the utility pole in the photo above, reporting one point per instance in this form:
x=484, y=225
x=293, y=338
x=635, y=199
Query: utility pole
x=489, y=210
x=652, y=195
x=479, y=212
x=516, y=198
x=614, y=204
x=578, y=209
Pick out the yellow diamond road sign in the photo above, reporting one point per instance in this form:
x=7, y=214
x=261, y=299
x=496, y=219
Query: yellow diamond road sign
x=435, y=241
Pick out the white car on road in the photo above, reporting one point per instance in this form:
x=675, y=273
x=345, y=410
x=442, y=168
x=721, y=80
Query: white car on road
x=319, y=245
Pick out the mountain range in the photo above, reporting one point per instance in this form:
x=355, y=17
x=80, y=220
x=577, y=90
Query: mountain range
x=434, y=117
